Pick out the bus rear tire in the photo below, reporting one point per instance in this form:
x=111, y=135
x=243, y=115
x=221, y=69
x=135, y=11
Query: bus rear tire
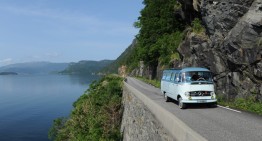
x=181, y=104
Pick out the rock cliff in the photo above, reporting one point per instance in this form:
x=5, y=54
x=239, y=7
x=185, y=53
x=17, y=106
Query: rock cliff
x=231, y=46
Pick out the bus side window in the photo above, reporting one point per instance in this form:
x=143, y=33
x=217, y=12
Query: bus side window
x=172, y=76
x=164, y=76
x=183, y=77
x=176, y=77
x=168, y=77
x=179, y=77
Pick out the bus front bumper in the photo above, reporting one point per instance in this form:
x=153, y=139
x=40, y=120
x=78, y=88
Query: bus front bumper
x=200, y=101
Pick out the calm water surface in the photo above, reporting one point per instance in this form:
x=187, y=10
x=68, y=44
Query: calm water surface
x=29, y=104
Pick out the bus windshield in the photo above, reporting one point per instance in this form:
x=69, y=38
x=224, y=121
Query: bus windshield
x=198, y=76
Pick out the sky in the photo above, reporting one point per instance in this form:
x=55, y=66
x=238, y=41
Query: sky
x=66, y=30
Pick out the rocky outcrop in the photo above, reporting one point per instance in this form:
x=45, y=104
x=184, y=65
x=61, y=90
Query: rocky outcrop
x=231, y=46
x=188, y=10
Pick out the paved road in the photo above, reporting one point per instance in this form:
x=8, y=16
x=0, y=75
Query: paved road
x=214, y=124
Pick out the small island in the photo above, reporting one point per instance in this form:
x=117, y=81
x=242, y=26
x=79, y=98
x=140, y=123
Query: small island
x=8, y=73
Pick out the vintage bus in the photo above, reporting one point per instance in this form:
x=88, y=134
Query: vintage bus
x=188, y=85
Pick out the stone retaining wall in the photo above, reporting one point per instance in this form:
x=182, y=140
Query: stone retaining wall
x=138, y=123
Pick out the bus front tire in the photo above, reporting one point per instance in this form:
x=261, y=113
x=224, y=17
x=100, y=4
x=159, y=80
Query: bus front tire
x=181, y=104
x=167, y=99
x=213, y=105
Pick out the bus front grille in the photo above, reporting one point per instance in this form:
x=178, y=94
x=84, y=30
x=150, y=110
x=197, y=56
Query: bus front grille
x=200, y=93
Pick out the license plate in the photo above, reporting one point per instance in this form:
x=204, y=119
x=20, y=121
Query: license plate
x=201, y=101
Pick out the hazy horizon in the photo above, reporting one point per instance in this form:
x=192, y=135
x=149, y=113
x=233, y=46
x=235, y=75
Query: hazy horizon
x=52, y=62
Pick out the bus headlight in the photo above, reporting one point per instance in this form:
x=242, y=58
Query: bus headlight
x=213, y=95
x=187, y=94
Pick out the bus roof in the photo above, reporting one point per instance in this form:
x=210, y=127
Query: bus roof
x=186, y=69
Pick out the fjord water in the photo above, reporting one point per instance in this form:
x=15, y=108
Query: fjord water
x=30, y=103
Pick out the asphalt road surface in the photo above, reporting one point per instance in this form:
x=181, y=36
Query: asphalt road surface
x=214, y=124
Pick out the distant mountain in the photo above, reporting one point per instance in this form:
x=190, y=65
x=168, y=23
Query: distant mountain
x=34, y=68
x=86, y=67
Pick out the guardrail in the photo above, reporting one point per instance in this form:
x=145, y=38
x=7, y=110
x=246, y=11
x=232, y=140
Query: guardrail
x=178, y=130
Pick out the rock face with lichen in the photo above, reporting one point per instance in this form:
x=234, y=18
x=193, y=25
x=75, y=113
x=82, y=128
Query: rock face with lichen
x=231, y=46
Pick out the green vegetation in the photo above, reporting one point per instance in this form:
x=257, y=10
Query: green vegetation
x=197, y=26
x=160, y=32
x=154, y=82
x=96, y=115
x=86, y=67
x=250, y=104
x=168, y=45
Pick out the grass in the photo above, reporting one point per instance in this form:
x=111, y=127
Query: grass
x=155, y=83
x=197, y=26
x=249, y=104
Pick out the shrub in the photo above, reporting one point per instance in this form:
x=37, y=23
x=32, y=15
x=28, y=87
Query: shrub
x=197, y=26
x=96, y=114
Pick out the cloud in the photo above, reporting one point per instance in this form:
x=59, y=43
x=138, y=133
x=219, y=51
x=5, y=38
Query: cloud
x=52, y=55
x=6, y=61
x=48, y=13
x=75, y=19
x=44, y=56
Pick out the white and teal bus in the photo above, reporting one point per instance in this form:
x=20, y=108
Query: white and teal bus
x=188, y=85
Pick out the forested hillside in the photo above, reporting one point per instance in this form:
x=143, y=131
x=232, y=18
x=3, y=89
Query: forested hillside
x=34, y=68
x=86, y=67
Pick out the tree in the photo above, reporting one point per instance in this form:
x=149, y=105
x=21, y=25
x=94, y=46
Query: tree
x=157, y=20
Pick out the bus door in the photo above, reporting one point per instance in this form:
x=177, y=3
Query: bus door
x=174, y=85
x=181, y=81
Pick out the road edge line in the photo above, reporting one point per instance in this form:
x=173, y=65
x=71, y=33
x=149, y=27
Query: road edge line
x=229, y=109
